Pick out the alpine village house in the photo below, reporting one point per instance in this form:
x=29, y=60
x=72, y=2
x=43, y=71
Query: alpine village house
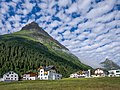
x=10, y=76
x=49, y=73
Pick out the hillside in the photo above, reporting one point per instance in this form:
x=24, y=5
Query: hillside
x=32, y=47
x=109, y=64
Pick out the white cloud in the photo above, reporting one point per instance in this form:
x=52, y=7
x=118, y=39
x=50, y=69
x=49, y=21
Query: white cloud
x=64, y=3
x=96, y=37
x=101, y=8
x=72, y=8
x=83, y=6
x=43, y=5
x=4, y=8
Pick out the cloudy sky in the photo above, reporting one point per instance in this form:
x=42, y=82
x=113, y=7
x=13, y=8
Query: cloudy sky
x=88, y=28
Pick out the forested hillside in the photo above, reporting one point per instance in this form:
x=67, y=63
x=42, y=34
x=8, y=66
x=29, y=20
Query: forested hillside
x=22, y=52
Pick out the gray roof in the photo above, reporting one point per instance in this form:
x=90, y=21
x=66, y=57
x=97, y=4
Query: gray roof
x=47, y=68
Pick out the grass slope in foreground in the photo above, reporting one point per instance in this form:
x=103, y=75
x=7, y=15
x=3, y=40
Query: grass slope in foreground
x=105, y=83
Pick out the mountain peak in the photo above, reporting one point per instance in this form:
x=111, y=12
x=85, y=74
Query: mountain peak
x=39, y=33
x=109, y=64
x=32, y=25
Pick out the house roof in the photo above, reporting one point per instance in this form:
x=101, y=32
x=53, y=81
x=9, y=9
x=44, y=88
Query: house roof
x=99, y=68
x=32, y=74
x=10, y=72
x=47, y=68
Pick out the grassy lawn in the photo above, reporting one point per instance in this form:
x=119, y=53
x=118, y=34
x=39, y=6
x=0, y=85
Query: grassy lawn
x=65, y=84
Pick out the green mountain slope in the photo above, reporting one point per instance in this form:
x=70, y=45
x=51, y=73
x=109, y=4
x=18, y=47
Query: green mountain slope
x=32, y=47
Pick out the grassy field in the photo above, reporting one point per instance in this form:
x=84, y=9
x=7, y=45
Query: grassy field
x=65, y=84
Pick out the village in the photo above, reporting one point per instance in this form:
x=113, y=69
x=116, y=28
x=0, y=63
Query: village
x=49, y=73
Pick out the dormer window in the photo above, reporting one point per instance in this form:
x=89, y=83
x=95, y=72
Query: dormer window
x=8, y=75
x=9, y=72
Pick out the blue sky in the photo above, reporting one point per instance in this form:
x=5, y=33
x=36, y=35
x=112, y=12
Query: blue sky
x=88, y=28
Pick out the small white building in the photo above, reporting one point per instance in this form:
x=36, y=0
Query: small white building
x=84, y=74
x=99, y=73
x=114, y=73
x=74, y=75
x=29, y=76
x=48, y=73
x=10, y=76
x=1, y=79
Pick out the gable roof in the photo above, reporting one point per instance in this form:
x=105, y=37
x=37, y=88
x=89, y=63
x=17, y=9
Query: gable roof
x=32, y=74
x=10, y=72
x=47, y=68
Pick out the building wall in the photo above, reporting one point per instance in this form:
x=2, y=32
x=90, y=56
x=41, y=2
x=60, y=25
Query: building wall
x=113, y=73
x=51, y=75
x=26, y=76
x=85, y=74
x=99, y=73
x=43, y=76
x=10, y=76
x=32, y=78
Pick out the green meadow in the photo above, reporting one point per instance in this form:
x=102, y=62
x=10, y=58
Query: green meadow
x=65, y=84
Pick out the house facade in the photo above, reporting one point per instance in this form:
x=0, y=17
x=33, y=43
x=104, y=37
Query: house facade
x=114, y=73
x=81, y=74
x=74, y=75
x=99, y=73
x=1, y=79
x=29, y=76
x=48, y=73
x=10, y=76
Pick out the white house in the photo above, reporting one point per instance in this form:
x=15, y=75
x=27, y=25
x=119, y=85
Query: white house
x=81, y=74
x=74, y=75
x=99, y=73
x=30, y=76
x=10, y=76
x=114, y=73
x=48, y=73
x=1, y=79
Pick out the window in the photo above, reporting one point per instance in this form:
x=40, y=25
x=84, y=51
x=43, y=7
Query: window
x=15, y=78
x=41, y=71
x=117, y=71
x=11, y=78
x=11, y=75
x=7, y=75
x=15, y=75
x=8, y=78
x=41, y=74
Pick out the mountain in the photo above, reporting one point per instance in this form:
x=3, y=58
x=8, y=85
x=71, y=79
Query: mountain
x=109, y=64
x=32, y=47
